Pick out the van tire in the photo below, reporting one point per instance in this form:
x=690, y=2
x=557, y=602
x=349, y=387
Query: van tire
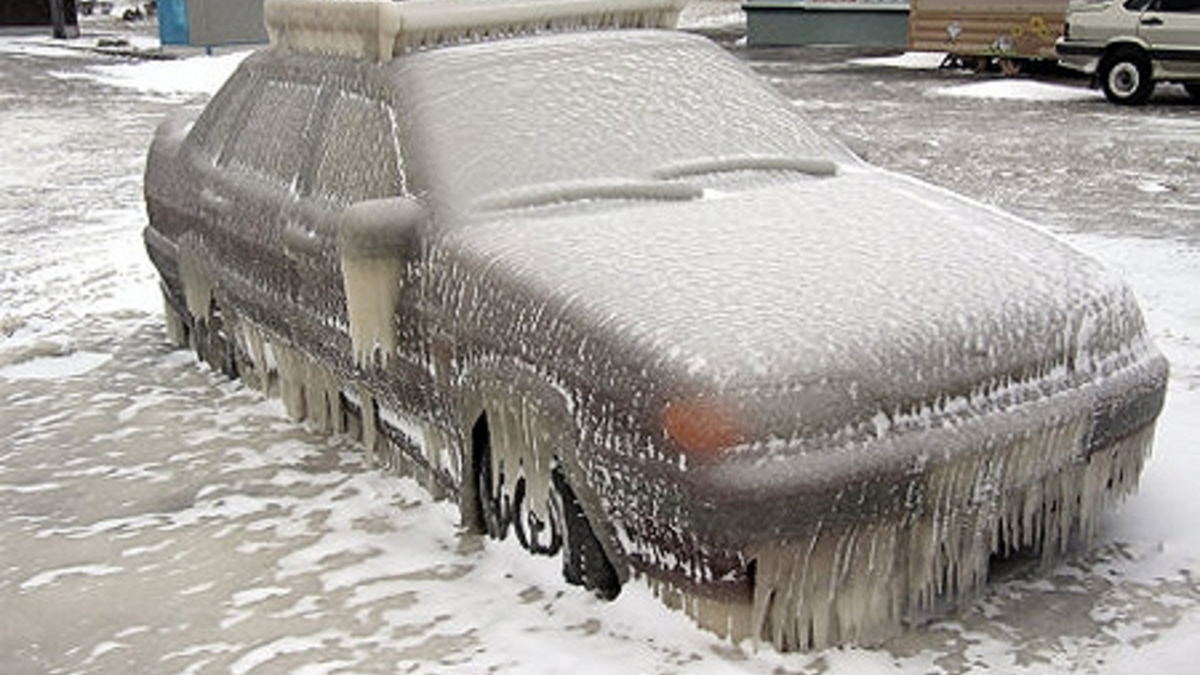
x=1125, y=76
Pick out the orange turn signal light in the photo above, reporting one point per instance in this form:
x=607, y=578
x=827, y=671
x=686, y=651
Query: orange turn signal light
x=702, y=427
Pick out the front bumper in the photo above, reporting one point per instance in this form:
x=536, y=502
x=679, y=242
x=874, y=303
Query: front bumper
x=825, y=545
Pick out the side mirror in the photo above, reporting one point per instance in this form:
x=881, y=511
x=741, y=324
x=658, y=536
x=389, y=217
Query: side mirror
x=377, y=238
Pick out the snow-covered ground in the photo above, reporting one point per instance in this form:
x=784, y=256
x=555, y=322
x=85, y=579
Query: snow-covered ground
x=157, y=518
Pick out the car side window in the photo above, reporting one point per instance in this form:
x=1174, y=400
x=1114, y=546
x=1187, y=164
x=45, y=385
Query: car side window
x=358, y=156
x=1137, y=5
x=270, y=143
x=1179, y=5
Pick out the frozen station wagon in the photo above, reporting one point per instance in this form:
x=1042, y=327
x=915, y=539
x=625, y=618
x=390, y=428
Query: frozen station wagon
x=1131, y=45
x=595, y=281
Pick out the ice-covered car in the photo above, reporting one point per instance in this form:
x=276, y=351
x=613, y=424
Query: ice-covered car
x=597, y=282
x=1131, y=45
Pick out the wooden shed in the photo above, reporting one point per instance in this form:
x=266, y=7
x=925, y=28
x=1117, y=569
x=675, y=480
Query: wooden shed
x=1019, y=29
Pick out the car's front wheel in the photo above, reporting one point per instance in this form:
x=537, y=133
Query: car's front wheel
x=557, y=526
x=1125, y=76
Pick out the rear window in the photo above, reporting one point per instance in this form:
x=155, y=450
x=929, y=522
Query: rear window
x=216, y=122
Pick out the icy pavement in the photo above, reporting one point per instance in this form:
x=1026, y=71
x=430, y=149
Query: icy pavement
x=157, y=518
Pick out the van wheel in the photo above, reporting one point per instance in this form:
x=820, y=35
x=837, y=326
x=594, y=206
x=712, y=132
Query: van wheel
x=1125, y=77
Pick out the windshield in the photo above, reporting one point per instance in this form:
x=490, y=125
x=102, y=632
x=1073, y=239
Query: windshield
x=492, y=118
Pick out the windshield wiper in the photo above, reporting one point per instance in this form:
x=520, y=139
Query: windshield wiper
x=548, y=194
x=707, y=165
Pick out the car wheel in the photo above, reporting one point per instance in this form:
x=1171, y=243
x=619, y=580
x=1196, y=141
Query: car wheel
x=492, y=509
x=1125, y=77
x=539, y=533
x=584, y=561
x=564, y=529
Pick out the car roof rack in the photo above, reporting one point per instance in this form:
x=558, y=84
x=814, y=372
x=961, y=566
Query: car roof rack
x=382, y=29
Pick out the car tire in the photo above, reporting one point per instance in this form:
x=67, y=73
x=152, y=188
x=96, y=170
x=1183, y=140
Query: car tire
x=1125, y=77
x=537, y=535
x=493, y=512
x=584, y=561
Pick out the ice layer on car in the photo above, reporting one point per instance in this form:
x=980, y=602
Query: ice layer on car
x=805, y=398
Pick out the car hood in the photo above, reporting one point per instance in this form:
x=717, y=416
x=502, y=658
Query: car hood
x=882, y=289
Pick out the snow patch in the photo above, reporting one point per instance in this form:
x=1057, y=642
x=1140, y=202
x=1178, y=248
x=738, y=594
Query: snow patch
x=906, y=61
x=1018, y=90
x=196, y=75
x=53, y=576
x=57, y=367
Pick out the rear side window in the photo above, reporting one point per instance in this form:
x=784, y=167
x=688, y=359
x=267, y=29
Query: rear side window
x=271, y=142
x=358, y=158
x=1179, y=5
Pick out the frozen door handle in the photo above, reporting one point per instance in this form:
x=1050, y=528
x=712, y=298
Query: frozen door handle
x=299, y=242
x=1152, y=21
x=214, y=202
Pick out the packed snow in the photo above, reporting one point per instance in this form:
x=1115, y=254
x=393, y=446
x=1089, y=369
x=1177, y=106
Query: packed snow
x=1020, y=90
x=162, y=518
x=184, y=76
x=907, y=61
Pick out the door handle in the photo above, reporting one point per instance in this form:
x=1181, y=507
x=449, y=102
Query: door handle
x=213, y=201
x=1152, y=21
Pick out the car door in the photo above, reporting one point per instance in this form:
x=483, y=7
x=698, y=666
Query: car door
x=254, y=193
x=1172, y=29
x=355, y=158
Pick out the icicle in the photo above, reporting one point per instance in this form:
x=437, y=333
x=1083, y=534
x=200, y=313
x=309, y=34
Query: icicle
x=176, y=329
x=292, y=373
x=263, y=368
x=861, y=582
x=372, y=291
x=727, y=618
x=375, y=241
x=370, y=425
x=197, y=290
x=522, y=448
x=322, y=399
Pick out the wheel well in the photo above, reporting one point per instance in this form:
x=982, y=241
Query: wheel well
x=1116, y=48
